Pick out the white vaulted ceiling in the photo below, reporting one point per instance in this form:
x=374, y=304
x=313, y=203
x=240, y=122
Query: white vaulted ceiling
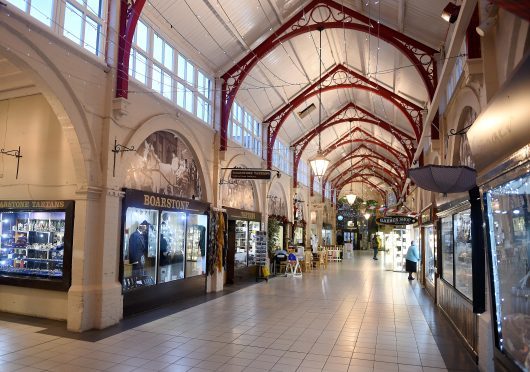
x=221, y=32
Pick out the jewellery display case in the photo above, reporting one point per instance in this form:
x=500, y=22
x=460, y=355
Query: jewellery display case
x=36, y=243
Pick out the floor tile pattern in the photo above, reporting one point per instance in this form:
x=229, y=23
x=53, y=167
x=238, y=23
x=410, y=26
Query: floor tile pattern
x=354, y=316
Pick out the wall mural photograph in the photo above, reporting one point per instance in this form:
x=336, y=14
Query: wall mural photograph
x=238, y=194
x=164, y=164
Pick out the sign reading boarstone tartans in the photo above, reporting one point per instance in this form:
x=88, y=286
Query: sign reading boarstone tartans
x=396, y=220
x=250, y=174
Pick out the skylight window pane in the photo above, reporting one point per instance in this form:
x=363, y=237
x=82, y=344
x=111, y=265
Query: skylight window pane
x=94, y=6
x=158, y=45
x=190, y=73
x=180, y=95
x=20, y=4
x=189, y=100
x=156, y=80
x=73, y=23
x=181, y=67
x=92, y=36
x=168, y=57
x=140, y=68
x=167, y=86
x=42, y=11
x=141, y=35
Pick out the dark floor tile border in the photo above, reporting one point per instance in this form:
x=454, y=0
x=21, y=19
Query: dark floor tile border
x=58, y=328
x=451, y=346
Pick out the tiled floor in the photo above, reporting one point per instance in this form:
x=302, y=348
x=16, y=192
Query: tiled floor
x=352, y=317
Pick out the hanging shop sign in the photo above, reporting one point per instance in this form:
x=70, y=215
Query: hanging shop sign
x=142, y=199
x=397, y=220
x=250, y=174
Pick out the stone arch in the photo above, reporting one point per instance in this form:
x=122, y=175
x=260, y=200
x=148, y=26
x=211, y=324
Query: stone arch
x=236, y=162
x=277, y=188
x=62, y=99
x=461, y=152
x=166, y=123
x=466, y=99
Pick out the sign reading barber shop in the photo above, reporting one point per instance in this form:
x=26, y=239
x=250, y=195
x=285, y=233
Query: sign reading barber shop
x=396, y=220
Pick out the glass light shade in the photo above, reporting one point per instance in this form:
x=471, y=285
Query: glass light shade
x=319, y=164
x=367, y=215
x=351, y=198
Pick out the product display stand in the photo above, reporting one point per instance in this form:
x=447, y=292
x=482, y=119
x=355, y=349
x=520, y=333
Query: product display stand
x=261, y=259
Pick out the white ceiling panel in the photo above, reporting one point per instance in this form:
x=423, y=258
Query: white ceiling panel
x=226, y=31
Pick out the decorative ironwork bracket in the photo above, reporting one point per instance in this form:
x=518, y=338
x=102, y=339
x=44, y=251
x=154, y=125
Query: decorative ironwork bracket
x=119, y=149
x=14, y=153
x=461, y=132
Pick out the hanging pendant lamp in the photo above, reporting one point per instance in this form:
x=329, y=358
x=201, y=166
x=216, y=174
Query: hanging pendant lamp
x=350, y=197
x=319, y=163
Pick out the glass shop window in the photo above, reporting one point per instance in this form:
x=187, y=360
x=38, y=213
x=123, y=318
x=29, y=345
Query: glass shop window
x=171, y=251
x=430, y=257
x=140, y=248
x=196, y=245
x=462, y=253
x=32, y=244
x=447, y=249
x=508, y=218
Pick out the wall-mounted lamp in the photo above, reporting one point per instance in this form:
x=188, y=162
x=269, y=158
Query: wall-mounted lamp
x=486, y=25
x=450, y=12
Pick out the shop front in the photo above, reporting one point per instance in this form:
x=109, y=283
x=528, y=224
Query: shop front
x=455, y=282
x=36, y=243
x=499, y=141
x=164, y=224
x=428, y=251
x=164, y=244
x=241, y=256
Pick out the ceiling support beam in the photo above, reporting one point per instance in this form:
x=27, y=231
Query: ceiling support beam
x=308, y=20
x=130, y=11
x=341, y=77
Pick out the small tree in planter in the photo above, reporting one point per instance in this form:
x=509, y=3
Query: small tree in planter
x=272, y=235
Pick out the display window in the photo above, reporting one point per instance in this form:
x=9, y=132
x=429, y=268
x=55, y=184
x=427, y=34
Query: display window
x=140, y=250
x=508, y=223
x=430, y=253
x=35, y=243
x=196, y=245
x=172, y=230
x=447, y=249
x=462, y=253
x=164, y=239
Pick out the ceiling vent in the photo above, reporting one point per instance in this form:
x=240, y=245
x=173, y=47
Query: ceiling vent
x=309, y=109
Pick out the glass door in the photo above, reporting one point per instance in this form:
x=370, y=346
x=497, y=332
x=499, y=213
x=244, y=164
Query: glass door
x=253, y=228
x=241, y=244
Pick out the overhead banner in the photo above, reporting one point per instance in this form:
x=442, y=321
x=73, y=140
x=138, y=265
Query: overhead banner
x=250, y=174
x=396, y=220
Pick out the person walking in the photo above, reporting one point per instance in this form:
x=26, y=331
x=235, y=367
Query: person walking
x=412, y=258
x=375, y=246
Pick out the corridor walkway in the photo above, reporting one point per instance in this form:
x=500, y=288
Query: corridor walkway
x=354, y=316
